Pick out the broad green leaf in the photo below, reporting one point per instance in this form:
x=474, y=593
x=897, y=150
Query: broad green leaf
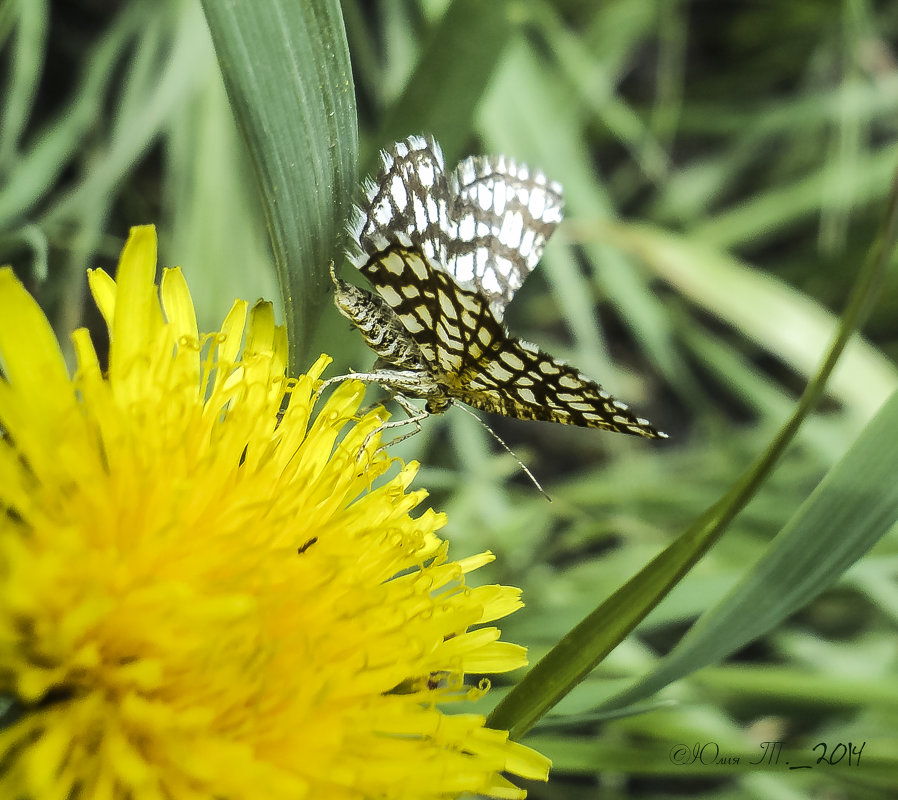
x=286, y=69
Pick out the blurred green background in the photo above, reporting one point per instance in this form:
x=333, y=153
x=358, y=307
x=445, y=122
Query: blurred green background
x=725, y=165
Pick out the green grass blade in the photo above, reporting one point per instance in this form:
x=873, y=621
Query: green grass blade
x=57, y=145
x=753, y=220
x=848, y=512
x=26, y=65
x=286, y=68
x=146, y=97
x=603, y=629
x=763, y=307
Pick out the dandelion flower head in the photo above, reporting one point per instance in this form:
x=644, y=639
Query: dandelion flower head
x=205, y=590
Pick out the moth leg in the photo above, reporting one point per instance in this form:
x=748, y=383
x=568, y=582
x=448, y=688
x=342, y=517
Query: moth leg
x=415, y=415
x=389, y=379
x=399, y=383
x=337, y=379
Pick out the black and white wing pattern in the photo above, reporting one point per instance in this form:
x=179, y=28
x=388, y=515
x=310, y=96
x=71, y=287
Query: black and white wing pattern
x=486, y=223
x=503, y=213
x=408, y=205
x=445, y=255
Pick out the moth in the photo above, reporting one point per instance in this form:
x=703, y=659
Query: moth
x=445, y=253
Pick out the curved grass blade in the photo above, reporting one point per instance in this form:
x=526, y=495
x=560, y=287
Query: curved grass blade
x=849, y=511
x=286, y=69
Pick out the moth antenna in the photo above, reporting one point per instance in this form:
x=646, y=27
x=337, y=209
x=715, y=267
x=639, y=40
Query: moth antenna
x=508, y=450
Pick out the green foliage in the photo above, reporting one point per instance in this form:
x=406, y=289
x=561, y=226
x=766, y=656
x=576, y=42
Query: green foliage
x=726, y=169
x=286, y=68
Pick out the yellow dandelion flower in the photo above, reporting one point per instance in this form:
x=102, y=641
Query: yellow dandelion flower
x=200, y=593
